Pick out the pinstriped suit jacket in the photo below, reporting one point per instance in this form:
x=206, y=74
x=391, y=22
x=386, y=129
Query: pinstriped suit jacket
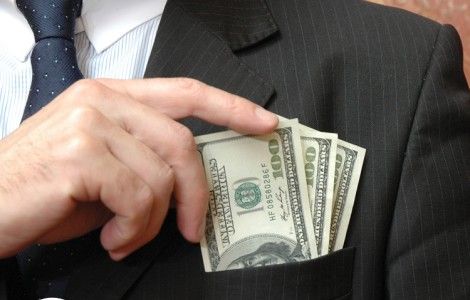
x=382, y=78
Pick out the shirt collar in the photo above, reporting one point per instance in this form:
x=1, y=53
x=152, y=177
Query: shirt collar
x=98, y=19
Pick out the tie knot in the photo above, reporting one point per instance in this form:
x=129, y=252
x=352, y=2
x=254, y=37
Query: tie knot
x=51, y=18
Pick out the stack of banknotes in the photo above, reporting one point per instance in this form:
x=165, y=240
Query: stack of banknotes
x=281, y=197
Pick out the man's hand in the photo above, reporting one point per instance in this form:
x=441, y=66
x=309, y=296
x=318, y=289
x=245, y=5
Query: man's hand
x=109, y=152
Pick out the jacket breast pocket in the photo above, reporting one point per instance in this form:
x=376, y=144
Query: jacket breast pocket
x=326, y=277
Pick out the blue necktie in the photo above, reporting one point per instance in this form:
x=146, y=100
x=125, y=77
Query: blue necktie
x=45, y=268
x=53, y=60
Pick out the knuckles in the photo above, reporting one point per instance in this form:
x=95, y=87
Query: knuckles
x=80, y=139
x=231, y=102
x=187, y=83
x=85, y=88
x=182, y=138
x=143, y=201
x=80, y=144
x=161, y=180
x=81, y=103
x=190, y=87
x=83, y=115
x=166, y=177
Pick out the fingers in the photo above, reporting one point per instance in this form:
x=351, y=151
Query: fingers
x=110, y=153
x=138, y=215
x=139, y=220
x=113, y=166
x=178, y=98
x=134, y=156
x=183, y=97
x=175, y=145
x=132, y=202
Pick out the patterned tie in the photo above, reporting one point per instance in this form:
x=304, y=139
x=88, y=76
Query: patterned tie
x=53, y=59
x=45, y=269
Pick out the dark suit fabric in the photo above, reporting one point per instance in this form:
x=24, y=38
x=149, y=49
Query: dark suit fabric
x=382, y=78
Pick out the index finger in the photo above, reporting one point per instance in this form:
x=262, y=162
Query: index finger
x=179, y=98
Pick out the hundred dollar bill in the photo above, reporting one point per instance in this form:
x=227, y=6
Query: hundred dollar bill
x=319, y=155
x=349, y=160
x=258, y=208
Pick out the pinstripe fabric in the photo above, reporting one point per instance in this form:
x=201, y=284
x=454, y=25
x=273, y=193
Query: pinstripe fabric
x=199, y=54
x=434, y=231
x=384, y=79
x=132, y=52
x=393, y=84
x=353, y=68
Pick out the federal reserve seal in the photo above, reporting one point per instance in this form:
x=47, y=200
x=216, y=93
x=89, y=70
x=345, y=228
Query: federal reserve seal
x=247, y=195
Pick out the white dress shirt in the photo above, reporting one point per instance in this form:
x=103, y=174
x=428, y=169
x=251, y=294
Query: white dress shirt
x=107, y=31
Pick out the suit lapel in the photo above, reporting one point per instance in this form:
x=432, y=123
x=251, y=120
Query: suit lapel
x=197, y=38
x=192, y=41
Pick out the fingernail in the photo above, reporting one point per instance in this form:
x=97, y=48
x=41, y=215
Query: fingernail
x=265, y=115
